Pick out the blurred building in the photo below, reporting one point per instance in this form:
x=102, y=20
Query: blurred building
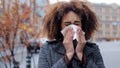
x=109, y=20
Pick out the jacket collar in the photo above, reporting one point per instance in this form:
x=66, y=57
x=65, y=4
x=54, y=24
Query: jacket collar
x=59, y=48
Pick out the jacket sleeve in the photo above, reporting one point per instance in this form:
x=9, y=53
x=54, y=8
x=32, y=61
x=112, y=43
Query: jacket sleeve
x=44, y=62
x=97, y=61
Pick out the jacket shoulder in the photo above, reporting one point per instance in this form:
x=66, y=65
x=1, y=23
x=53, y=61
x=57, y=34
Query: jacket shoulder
x=45, y=46
x=91, y=45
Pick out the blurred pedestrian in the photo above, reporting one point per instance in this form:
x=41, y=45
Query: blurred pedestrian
x=68, y=26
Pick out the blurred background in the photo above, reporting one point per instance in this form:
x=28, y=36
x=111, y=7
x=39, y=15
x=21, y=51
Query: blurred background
x=21, y=31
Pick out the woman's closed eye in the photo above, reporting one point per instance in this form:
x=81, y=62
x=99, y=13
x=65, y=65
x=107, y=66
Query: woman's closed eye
x=67, y=23
x=78, y=23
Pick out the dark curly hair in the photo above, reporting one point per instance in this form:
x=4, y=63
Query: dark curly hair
x=53, y=19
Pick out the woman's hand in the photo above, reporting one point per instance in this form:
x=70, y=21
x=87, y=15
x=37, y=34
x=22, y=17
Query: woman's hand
x=68, y=43
x=81, y=43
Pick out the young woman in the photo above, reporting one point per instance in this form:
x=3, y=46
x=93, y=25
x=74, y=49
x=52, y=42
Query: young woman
x=61, y=51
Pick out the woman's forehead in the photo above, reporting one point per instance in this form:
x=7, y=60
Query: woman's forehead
x=70, y=16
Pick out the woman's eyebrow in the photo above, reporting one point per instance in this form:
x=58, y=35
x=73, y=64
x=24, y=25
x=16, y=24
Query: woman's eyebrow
x=67, y=22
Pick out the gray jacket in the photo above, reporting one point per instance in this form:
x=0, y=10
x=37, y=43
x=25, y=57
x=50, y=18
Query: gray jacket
x=52, y=53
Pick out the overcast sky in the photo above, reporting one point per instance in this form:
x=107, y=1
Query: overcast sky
x=93, y=1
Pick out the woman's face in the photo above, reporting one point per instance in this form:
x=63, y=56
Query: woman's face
x=70, y=18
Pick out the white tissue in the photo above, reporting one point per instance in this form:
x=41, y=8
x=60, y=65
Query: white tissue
x=74, y=29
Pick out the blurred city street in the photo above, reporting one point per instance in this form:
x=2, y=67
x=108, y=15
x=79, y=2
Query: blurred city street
x=22, y=34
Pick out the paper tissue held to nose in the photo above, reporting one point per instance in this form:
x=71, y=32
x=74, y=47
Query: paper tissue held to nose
x=74, y=29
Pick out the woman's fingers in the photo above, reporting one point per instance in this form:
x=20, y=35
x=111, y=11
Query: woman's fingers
x=68, y=43
x=69, y=34
x=81, y=35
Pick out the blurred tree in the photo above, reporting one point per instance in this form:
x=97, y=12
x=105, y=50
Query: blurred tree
x=17, y=22
x=11, y=22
